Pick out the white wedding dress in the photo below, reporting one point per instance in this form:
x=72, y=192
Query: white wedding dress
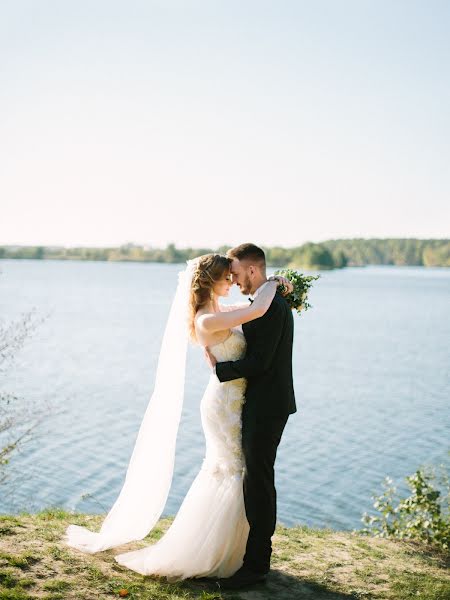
x=209, y=533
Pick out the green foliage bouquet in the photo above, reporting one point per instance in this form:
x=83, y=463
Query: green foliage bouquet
x=298, y=298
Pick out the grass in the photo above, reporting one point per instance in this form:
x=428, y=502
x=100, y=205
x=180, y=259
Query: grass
x=307, y=563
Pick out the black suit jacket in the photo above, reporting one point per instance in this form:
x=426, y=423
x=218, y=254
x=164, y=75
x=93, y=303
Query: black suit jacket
x=267, y=364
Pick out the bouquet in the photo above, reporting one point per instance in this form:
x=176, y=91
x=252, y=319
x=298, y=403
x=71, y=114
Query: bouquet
x=298, y=298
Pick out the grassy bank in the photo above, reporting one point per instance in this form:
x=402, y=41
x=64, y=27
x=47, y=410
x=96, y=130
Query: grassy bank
x=307, y=563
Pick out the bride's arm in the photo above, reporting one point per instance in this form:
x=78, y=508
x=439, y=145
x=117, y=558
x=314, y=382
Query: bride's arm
x=266, y=337
x=226, y=320
x=230, y=307
x=288, y=288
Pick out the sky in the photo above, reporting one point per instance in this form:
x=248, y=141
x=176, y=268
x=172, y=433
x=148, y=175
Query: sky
x=210, y=122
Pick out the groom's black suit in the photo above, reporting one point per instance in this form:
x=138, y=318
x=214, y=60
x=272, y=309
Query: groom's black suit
x=269, y=400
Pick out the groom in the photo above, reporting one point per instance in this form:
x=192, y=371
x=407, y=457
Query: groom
x=269, y=400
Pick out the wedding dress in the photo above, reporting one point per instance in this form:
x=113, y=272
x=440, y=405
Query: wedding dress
x=209, y=533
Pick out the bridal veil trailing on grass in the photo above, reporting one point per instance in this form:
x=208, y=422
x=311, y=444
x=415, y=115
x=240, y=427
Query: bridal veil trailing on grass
x=150, y=470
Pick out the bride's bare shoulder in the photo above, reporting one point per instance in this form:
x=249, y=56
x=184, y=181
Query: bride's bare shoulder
x=202, y=312
x=199, y=318
x=204, y=338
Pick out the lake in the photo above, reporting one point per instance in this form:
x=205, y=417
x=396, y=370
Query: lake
x=371, y=369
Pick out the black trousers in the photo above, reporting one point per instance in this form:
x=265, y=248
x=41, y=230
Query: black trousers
x=260, y=439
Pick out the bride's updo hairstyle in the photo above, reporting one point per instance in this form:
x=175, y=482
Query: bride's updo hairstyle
x=210, y=269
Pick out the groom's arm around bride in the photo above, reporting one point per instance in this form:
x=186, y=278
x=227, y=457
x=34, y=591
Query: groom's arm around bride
x=267, y=365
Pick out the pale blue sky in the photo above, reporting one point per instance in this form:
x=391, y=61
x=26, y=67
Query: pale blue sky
x=210, y=122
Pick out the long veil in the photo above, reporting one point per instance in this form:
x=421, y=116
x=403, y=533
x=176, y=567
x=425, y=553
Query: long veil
x=150, y=470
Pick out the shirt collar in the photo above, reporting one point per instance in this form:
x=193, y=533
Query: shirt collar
x=256, y=292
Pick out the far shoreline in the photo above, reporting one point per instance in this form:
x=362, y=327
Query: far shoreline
x=321, y=256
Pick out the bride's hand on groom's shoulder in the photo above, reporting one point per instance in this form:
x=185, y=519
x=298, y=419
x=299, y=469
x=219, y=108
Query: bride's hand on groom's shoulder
x=210, y=358
x=288, y=288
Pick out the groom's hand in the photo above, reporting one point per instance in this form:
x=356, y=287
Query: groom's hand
x=210, y=359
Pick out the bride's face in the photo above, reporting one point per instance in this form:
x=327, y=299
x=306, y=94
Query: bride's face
x=240, y=277
x=222, y=287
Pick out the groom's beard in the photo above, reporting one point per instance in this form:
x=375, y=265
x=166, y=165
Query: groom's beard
x=246, y=286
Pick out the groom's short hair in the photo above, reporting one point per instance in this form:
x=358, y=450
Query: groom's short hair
x=250, y=253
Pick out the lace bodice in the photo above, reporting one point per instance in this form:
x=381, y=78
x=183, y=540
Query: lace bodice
x=233, y=348
x=221, y=409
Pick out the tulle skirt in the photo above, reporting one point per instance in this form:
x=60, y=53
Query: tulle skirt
x=207, y=537
x=209, y=533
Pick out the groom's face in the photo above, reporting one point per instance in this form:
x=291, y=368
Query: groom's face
x=240, y=275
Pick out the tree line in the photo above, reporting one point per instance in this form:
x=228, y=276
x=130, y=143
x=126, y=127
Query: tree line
x=330, y=254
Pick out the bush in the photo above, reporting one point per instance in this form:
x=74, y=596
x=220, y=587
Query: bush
x=423, y=515
x=18, y=419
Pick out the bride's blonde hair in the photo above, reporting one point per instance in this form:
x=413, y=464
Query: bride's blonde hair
x=210, y=268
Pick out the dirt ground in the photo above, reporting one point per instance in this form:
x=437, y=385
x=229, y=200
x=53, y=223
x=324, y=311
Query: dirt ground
x=307, y=563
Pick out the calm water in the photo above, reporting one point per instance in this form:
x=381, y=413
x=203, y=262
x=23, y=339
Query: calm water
x=371, y=365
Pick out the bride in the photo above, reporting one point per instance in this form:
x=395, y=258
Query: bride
x=209, y=533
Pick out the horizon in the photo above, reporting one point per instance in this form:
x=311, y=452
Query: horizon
x=200, y=246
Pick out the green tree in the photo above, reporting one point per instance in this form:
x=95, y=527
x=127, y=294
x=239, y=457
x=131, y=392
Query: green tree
x=172, y=255
x=437, y=255
x=313, y=256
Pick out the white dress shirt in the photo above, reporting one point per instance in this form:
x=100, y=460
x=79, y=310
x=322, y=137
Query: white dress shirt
x=256, y=292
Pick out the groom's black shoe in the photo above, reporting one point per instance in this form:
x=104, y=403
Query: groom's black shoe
x=243, y=577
